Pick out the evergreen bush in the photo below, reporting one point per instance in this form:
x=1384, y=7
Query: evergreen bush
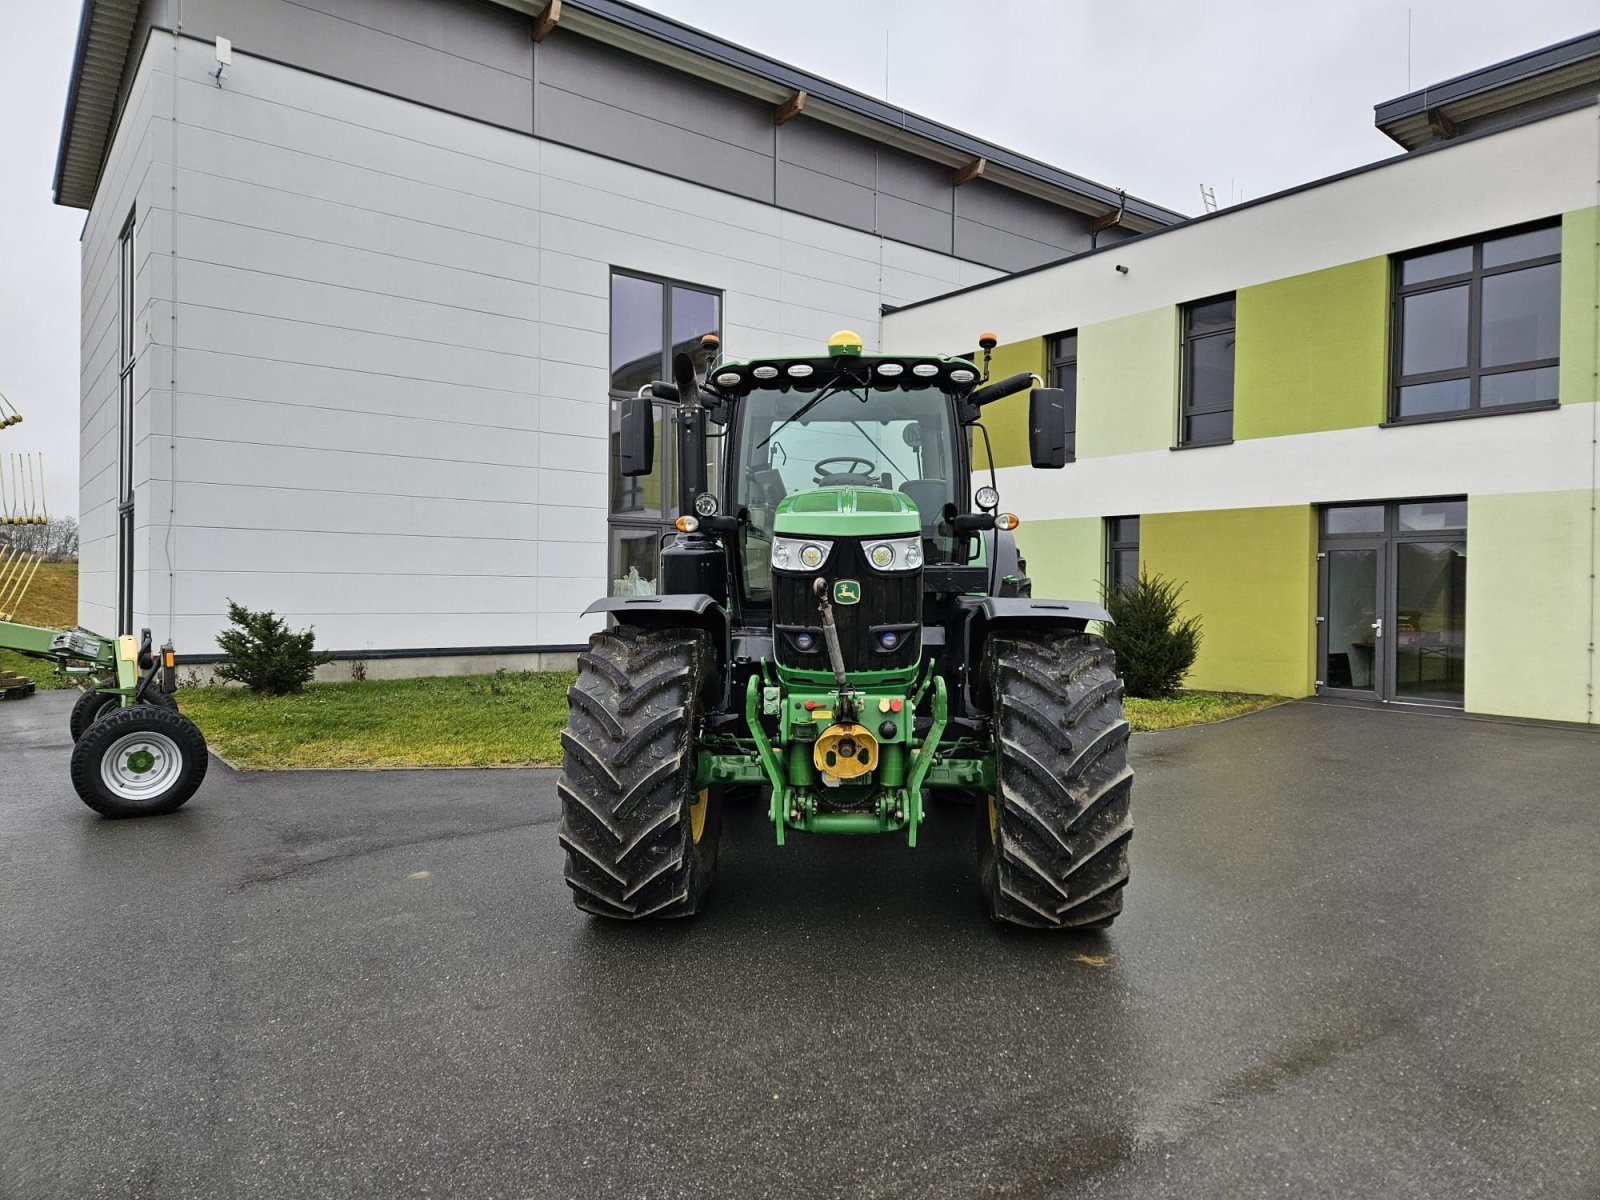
x=1155, y=646
x=265, y=655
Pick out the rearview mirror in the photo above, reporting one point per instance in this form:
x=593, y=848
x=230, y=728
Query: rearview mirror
x=1047, y=428
x=636, y=442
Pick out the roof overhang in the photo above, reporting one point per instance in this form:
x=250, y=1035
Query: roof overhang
x=104, y=30
x=1556, y=74
x=106, y=27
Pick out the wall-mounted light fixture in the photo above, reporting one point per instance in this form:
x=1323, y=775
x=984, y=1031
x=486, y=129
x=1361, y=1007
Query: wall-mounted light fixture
x=224, y=60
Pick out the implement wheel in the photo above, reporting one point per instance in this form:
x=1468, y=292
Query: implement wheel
x=141, y=761
x=93, y=705
x=640, y=842
x=1053, y=841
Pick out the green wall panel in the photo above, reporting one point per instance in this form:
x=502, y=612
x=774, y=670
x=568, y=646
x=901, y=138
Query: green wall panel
x=1065, y=557
x=1312, y=351
x=1530, y=605
x=1580, y=295
x=1250, y=575
x=1128, y=384
x=1007, y=420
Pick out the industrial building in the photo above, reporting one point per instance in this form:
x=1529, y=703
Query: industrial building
x=361, y=281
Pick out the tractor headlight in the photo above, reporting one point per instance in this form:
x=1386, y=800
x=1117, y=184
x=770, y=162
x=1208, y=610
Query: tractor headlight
x=895, y=554
x=792, y=554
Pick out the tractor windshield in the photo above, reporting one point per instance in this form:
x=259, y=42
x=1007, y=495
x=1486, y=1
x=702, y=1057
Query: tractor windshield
x=898, y=440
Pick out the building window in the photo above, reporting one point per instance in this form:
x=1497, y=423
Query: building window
x=1122, y=552
x=1064, y=375
x=126, y=356
x=652, y=320
x=1208, y=336
x=1478, y=326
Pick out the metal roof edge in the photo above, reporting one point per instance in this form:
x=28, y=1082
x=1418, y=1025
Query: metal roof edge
x=72, y=100
x=1348, y=173
x=1534, y=62
x=709, y=46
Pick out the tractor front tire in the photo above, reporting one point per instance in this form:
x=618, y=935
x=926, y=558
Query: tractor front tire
x=1053, y=840
x=640, y=841
x=140, y=761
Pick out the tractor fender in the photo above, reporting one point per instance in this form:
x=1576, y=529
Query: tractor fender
x=686, y=610
x=986, y=615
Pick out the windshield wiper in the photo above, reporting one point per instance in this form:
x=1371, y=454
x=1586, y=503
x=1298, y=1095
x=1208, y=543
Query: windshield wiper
x=832, y=389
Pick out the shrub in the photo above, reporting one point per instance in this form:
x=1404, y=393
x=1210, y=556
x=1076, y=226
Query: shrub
x=265, y=655
x=1155, y=649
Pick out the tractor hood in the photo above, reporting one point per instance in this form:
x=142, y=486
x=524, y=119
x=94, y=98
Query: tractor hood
x=844, y=512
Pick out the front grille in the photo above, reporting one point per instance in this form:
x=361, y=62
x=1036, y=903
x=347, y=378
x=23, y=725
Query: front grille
x=889, y=600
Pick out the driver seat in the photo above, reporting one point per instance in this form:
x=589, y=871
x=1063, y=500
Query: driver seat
x=929, y=495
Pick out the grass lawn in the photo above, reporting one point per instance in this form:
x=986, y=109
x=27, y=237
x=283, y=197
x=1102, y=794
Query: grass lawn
x=475, y=721
x=52, y=600
x=1192, y=708
x=467, y=721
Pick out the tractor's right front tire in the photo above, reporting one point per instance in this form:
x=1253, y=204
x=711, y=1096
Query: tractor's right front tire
x=92, y=705
x=1053, y=840
x=640, y=841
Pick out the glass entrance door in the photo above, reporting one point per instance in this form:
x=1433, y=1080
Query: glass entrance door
x=1352, y=629
x=1392, y=613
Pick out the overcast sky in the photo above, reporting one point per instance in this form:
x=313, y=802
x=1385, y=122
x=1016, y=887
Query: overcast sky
x=1155, y=96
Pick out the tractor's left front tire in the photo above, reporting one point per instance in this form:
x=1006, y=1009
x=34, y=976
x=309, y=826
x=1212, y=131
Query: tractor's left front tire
x=640, y=841
x=140, y=761
x=92, y=705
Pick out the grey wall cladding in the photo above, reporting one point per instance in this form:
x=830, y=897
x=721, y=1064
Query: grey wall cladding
x=1012, y=231
x=466, y=56
x=610, y=102
x=828, y=173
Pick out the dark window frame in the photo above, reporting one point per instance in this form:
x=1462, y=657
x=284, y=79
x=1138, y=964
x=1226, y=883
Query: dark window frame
x=1474, y=372
x=1187, y=340
x=647, y=521
x=127, y=358
x=1063, y=351
x=1116, y=546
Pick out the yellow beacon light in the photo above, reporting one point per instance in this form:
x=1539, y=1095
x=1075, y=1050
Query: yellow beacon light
x=846, y=341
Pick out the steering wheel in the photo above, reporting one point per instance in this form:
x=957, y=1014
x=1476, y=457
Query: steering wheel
x=863, y=476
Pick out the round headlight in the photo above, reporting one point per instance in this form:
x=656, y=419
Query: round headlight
x=986, y=498
x=881, y=556
x=728, y=379
x=804, y=641
x=926, y=370
x=889, y=639
x=705, y=504
x=962, y=375
x=811, y=555
x=765, y=372
x=799, y=370
x=914, y=556
x=890, y=370
x=780, y=554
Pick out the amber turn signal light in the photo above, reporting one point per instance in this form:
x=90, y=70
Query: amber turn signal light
x=1006, y=521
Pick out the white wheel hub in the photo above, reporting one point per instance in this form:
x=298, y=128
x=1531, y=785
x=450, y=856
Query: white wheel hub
x=141, y=766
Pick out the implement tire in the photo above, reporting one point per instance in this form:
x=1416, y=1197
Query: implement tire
x=1053, y=843
x=93, y=705
x=639, y=841
x=141, y=761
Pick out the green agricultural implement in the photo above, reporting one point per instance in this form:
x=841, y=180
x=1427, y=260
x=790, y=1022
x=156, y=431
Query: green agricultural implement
x=843, y=626
x=134, y=754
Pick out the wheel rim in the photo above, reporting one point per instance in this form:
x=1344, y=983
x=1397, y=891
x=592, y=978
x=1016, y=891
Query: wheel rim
x=994, y=820
x=697, y=814
x=141, y=766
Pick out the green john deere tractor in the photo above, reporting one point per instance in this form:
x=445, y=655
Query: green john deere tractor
x=843, y=625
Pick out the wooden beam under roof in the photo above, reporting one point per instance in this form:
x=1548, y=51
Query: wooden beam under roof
x=1442, y=126
x=790, y=108
x=547, y=20
x=973, y=170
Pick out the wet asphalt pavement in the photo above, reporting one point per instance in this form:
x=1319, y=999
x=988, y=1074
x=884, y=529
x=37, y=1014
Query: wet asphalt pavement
x=1359, y=959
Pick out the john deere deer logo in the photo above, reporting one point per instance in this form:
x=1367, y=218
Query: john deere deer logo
x=847, y=591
